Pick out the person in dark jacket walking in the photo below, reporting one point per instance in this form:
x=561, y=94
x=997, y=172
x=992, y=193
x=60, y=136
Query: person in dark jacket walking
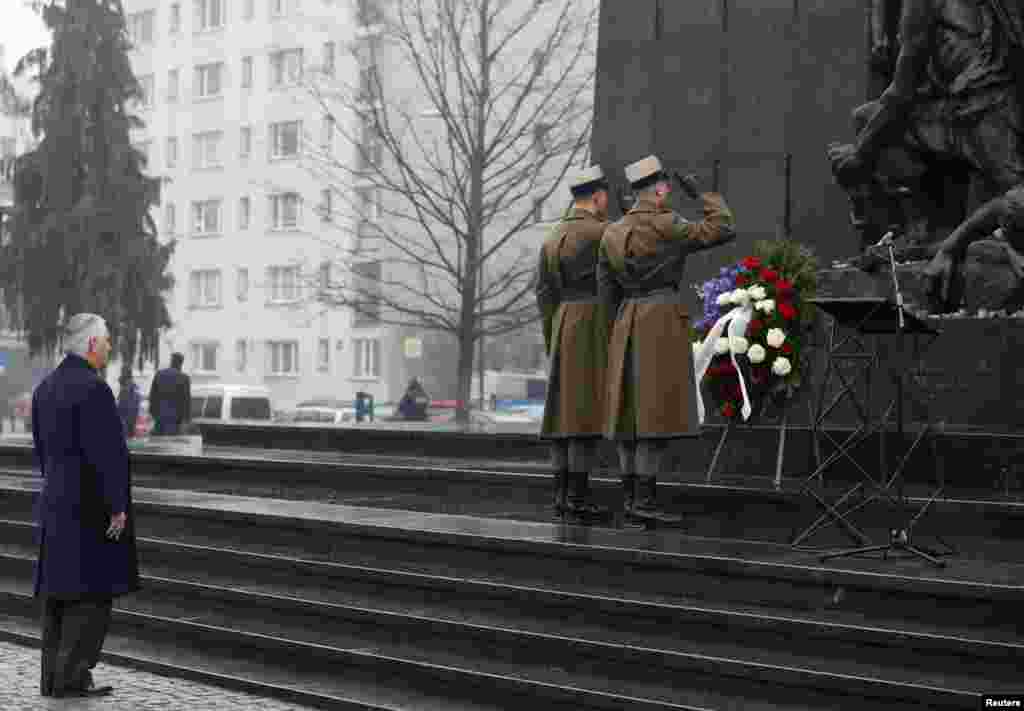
x=86, y=532
x=170, y=398
x=129, y=402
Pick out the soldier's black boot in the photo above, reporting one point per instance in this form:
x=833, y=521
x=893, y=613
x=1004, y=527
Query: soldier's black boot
x=629, y=492
x=580, y=508
x=646, y=506
x=560, y=504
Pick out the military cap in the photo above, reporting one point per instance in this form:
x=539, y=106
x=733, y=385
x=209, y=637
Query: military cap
x=644, y=172
x=588, y=181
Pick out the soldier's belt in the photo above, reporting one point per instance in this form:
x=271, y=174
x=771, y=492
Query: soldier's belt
x=582, y=299
x=659, y=296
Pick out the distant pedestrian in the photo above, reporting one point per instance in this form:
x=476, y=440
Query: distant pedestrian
x=129, y=402
x=86, y=531
x=170, y=398
x=414, y=403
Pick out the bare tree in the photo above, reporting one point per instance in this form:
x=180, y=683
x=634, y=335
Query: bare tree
x=466, y=117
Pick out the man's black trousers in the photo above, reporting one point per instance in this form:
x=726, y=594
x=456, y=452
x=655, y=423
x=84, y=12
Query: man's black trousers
x=73, y=635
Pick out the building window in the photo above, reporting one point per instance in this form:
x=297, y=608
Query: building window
x=245, y=142
x=170, y=218
x=541, y=144
x=284, y=139
x=172, y=151
x=277, y=8
x=208, y=79
x=284, y=284
x=325, y=275
x=175, y=18
x=206, y=217
x=244, y=213
x=249, y=9
x=369, y=204
x=204, y=357
x=172, y=86
x=146, y=87
x=327, y=133
x=209, y=14
x=285, y=211
x=140, y=27
x=329, y=58
x=369, y=13
x=323, y=355
x=204, y=288
x=366, y=358
x=246, y=72
x=284, y=357
x=206, y=150
x=241, y=355
x=285, y=67
x=242, y=284
x=326, y=205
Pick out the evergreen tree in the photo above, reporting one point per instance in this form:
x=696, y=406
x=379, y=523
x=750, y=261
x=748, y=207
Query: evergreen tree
x=81, y=236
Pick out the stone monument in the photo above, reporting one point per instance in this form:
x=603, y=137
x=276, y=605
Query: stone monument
x=938, y=160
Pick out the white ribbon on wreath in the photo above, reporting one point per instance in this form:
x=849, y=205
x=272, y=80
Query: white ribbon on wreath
x=737, y=321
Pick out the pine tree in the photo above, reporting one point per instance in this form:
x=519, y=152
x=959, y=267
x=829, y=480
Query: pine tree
x=81, y=236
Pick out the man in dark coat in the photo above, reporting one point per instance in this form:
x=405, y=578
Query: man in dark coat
x=170, y=398
x=86, y=533
x=129, y=402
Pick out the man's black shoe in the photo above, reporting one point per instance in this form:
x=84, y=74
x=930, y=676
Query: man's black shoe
x=79, y=692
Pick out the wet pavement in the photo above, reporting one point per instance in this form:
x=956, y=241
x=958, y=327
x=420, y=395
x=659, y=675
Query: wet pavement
x=134, y=690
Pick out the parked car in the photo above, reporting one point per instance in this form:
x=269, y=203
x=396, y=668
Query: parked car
x=231, y=403
x=332, y=411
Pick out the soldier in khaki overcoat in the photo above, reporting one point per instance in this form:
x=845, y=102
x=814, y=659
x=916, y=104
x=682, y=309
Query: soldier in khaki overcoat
x=576, y=336
x=652, y=393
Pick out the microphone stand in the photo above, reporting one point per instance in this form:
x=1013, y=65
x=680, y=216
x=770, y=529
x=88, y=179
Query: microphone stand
x=888, y=239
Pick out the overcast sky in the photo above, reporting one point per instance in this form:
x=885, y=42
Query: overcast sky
x=21, y=30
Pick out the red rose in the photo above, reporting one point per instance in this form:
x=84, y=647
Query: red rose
x=784, y=286
x=787, y=348
x=769, y=275
x=728, y=409
x=742, y=279
x=751, y=262
x=755, y=327
x=787, y=311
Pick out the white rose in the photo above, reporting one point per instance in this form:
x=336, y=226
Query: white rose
x=775, y=337
x=722, y=346
x=724, y=299
x=756, y=353
x=740, y=297
x=697, y=345
x=739, y=344
x=766, y=305
x=782, y=366
x=757, y=292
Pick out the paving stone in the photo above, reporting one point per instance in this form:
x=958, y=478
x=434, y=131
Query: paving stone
x=134, y=690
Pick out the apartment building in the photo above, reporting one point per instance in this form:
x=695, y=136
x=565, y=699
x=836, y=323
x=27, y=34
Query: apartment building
x=229, y=118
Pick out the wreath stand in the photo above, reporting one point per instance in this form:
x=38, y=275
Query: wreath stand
x=780, y=454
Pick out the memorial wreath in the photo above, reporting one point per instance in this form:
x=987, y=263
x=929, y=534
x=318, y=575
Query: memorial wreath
x=751, y=344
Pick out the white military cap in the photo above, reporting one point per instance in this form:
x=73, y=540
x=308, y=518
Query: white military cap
x=642, y=169
x=586, y=177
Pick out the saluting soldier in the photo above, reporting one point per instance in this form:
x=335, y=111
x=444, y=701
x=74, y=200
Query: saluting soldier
x=576, y=337
x=652, y=393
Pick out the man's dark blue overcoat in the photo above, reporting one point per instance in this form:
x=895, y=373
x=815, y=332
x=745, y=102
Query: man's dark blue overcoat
x=81, y=450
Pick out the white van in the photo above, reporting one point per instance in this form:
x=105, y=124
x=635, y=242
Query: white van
x=231, y=403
